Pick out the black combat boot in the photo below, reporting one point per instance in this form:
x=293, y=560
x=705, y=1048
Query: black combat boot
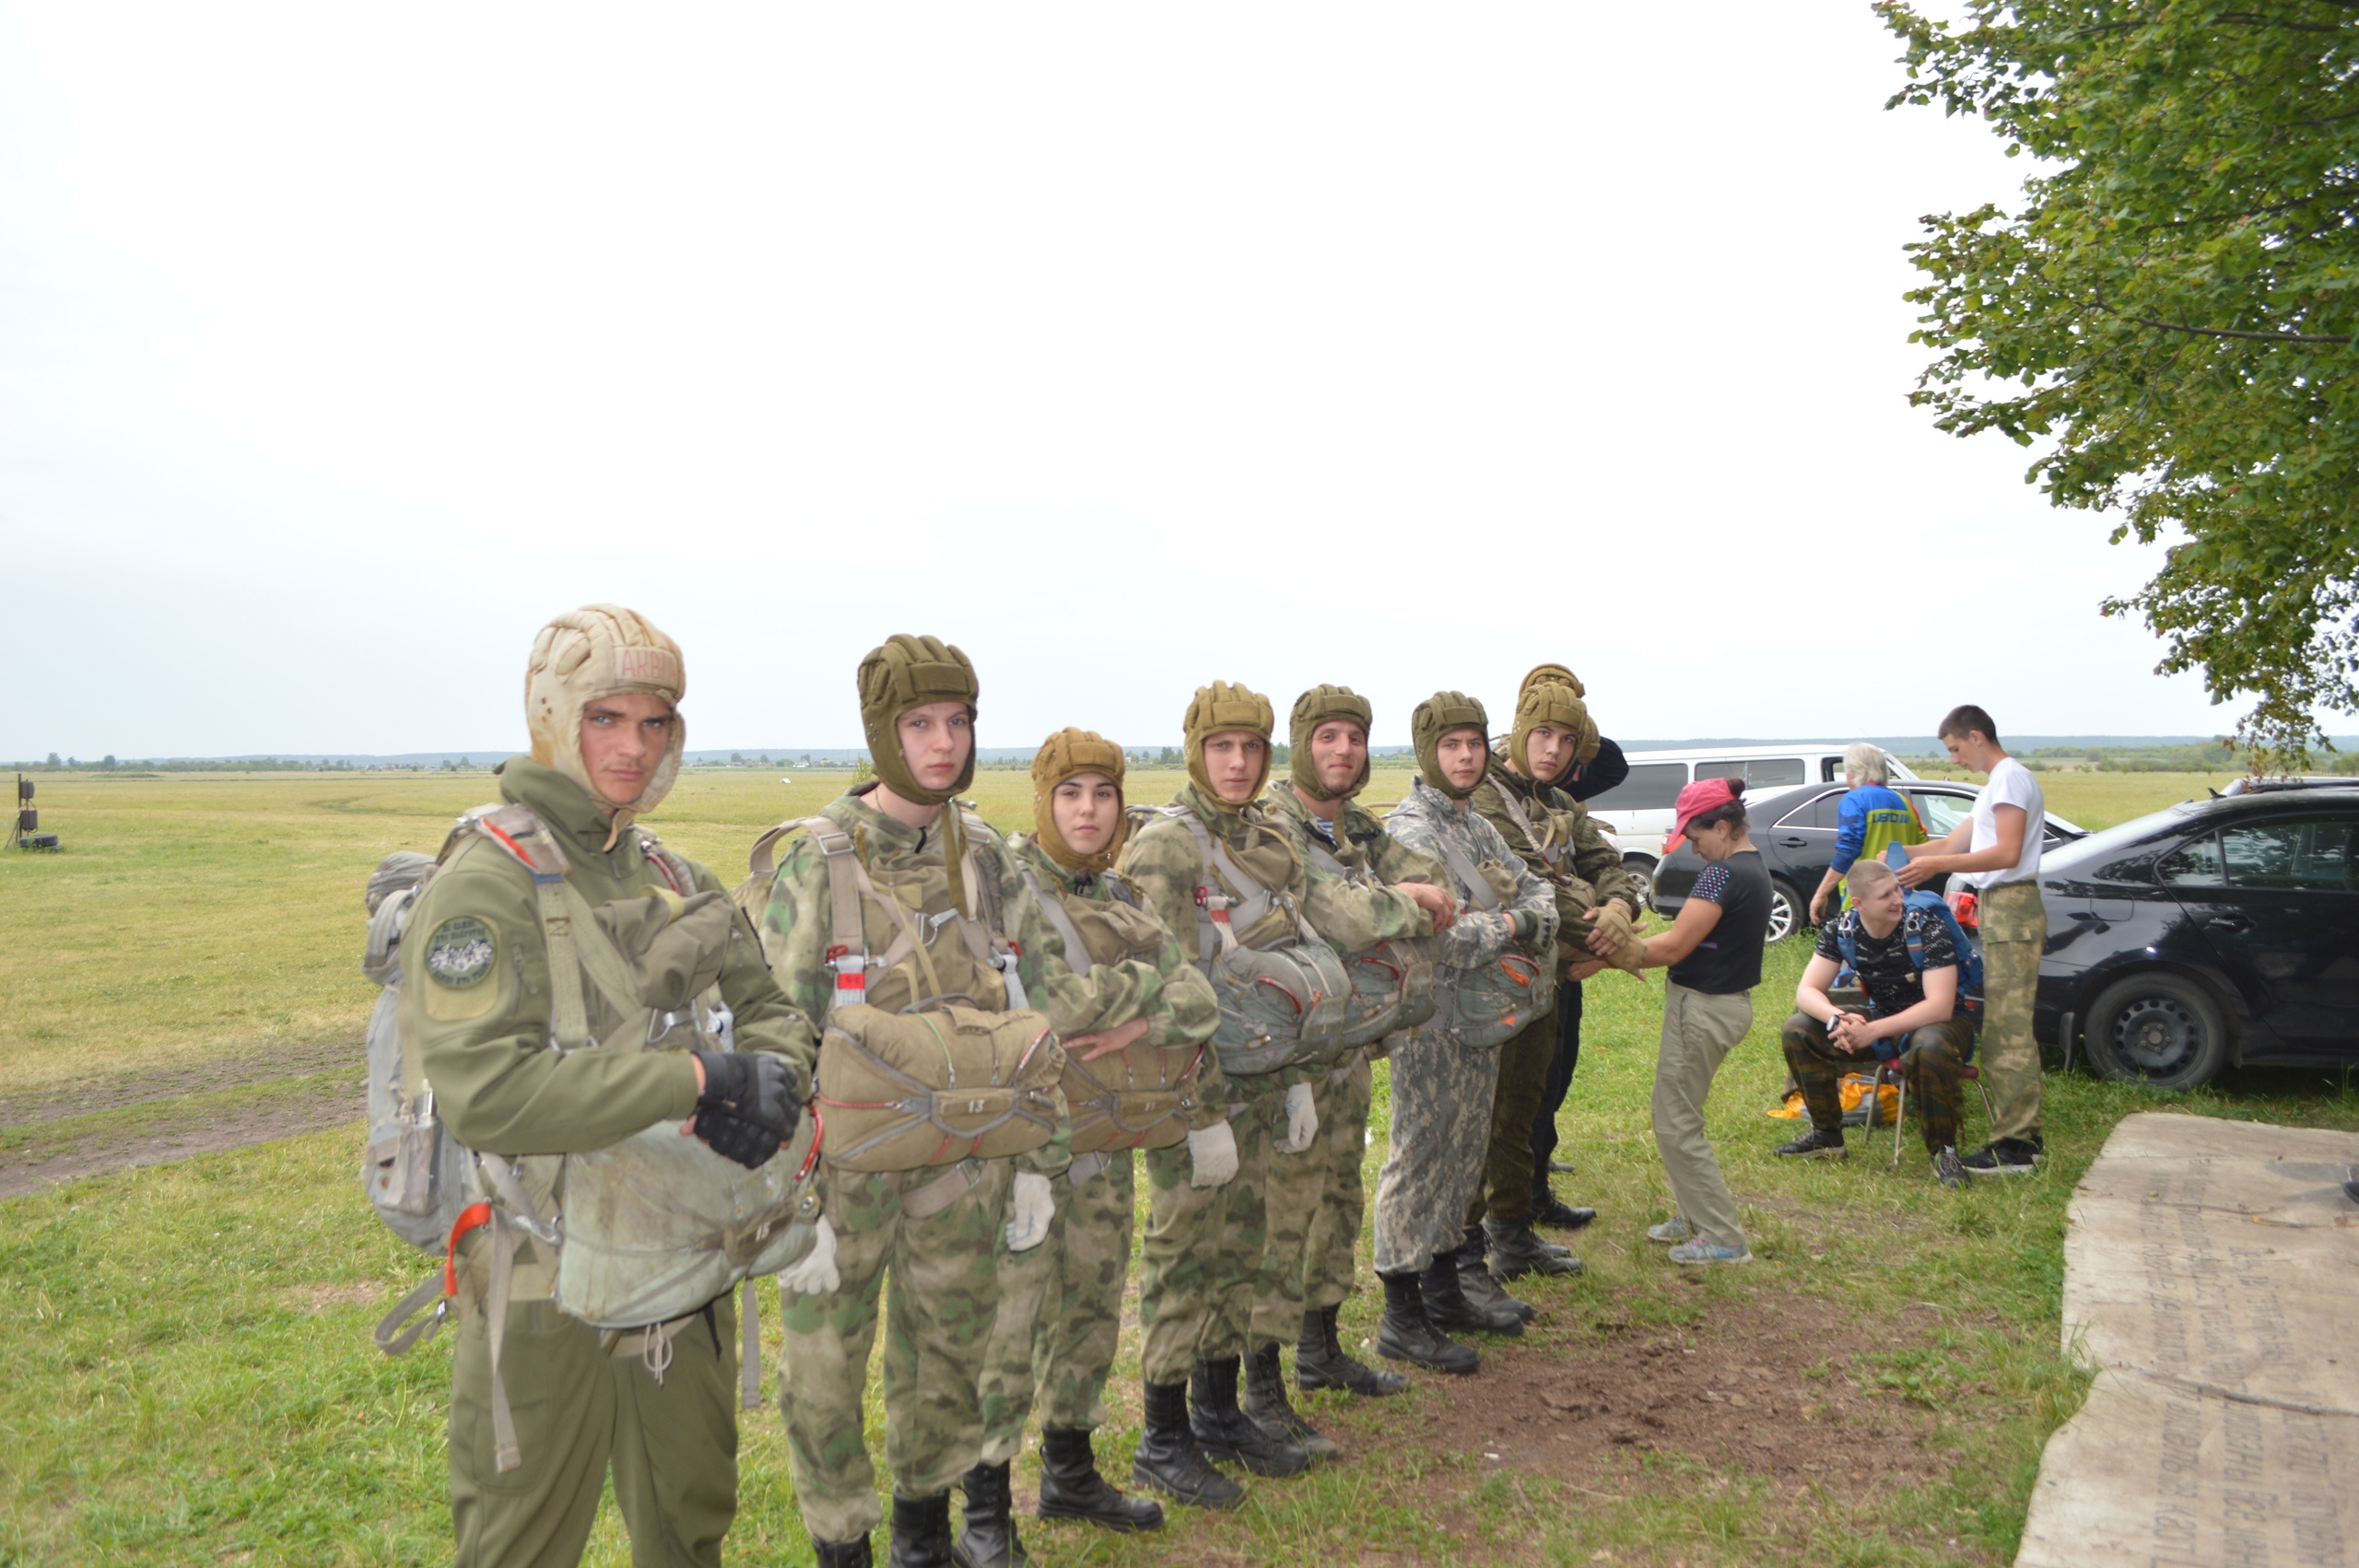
x=1071, y=1487
x=1404, y=1334
x=1475, y=1281
x=1549, y=1210
x=1321, y=1361
x=1168, y=1459
x=990, y=1539
x=1226, y=1432
x=1266, y=1402
x=1516, y=1251
x=850, y=1553
x=1449, y=1312
x=921, y=1532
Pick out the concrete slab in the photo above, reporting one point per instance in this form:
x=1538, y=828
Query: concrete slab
x=2211, y=1279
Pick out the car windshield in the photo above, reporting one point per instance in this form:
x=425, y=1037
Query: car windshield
x=2108, y=842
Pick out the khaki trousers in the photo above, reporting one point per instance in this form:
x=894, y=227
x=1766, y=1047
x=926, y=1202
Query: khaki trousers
x=1699, y=1032
x=1506, y=1193
x=579, y=1410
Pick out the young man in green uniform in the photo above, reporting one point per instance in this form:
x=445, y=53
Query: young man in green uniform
x=936, y=887
x=1595, y=903
x=1229, y=1236
x=542, y=1405
x=1328, y=766
x=1061, y=1305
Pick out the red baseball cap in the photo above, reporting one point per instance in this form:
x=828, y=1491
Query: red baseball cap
x=1702, y=796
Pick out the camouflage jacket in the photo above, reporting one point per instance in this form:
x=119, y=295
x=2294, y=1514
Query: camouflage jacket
x=1429, y=819
x=797, y=927
x=1163, y=863
x=1365, y=849
x=1571, y=854
x=481, y=1021
x=1184, y=1011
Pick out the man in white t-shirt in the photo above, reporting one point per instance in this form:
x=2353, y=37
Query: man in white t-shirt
x=1996, y=852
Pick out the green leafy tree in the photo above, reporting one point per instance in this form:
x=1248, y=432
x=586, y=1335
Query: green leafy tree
x=2171, y=312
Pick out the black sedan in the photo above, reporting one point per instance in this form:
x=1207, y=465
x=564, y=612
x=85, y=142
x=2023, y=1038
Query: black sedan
x=1794, y=829
x=2216, y=932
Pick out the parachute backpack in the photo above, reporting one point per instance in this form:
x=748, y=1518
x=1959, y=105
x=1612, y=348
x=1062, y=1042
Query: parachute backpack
x=1969, y=957
x=644, y=1231
x=1491, y=1001
x=1392, y=983
x=1282, y=1005
x=934, y=1077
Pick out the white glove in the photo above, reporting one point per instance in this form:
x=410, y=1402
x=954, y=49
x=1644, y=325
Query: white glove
x=1211, y=1155
x=815, y=1275
x=1029, y=1211
x=1302, y=1121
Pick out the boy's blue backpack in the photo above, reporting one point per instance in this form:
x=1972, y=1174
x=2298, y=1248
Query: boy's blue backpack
x=1969, y=957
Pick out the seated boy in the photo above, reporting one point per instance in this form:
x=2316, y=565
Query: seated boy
x=1913, y=1013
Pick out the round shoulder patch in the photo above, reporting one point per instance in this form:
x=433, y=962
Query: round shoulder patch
x=459, y=952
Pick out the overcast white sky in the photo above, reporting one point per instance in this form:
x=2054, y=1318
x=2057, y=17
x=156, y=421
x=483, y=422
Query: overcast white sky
x=1127, y=347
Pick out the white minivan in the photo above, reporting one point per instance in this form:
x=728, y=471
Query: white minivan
x=1640, y=810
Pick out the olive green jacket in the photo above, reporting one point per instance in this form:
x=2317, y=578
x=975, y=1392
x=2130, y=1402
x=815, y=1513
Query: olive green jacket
x=1185, y=1011
x=1587, y=870
x=485, y=1040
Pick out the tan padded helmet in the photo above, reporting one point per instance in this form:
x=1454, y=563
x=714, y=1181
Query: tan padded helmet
x=602, y=651
x=1063, y=755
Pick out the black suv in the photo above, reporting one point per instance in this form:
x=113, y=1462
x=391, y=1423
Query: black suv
x=1794, y=829
x=2215, y=932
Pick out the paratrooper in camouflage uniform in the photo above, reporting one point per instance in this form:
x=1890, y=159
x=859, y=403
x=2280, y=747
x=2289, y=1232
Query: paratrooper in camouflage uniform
x=1203, y=1305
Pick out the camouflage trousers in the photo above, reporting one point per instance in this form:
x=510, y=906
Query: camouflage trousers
x=1204, y=1249
x=2014, y=930
x=1061, y=1309
x=581, y=1409
x=1505, y=1193
x=937, y=1332
x=1931, y=1066
x=1442, y=1099
x=1320, y=1197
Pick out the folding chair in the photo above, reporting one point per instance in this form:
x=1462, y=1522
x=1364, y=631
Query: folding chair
x=1971, y=1072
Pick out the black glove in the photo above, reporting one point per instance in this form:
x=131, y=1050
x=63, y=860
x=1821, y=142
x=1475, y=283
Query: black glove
x=750, y=1106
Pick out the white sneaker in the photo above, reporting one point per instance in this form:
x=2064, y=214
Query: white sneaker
x=1709, y=1252
x=1672, y=1229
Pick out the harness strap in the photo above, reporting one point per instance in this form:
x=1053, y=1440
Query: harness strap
x=504, y=1240
x=924, y=1202
x=847, y=944
x=1215, y=927
x=1076, y=953
x=1478, y=886
x=749, y=1346
x=393, y=1337
x=1549, y=852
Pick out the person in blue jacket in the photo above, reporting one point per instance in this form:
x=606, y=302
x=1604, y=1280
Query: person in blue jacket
x=1872, y=818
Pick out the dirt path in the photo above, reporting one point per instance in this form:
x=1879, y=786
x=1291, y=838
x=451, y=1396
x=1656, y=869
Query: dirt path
x=148, y=1118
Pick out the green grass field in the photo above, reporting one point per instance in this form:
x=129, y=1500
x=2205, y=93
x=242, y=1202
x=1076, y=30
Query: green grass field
x=191, y=1381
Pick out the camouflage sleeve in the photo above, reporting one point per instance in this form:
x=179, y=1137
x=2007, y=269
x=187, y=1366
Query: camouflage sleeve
x=796, y=928
x=1478, y=935
x=1354, y=916
x=476, y=996
x=1396, y=861
x=766, y=1020
x=1532, y=891
x=1160, y=860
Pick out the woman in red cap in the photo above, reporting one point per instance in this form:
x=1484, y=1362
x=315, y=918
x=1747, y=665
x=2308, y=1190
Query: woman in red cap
x=1713, y=950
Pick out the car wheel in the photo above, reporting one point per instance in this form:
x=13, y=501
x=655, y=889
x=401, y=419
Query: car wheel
x=2157, y=1029
x=1642, y=876
x=1788, y=910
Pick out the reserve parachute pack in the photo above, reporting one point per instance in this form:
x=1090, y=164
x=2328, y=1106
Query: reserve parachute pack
x=1138, y=1099
x=1491, y=1001
x=1392, y=983
x=1282, y=990
x=930, y=1055
x=633, y=1238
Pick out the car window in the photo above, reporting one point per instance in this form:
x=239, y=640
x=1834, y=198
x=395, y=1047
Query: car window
x=1828, y=767
x=2192, y=865
x=1943, y=813
x=1821, y=811
x=1652, y=785
x=2307, y=856
x=1755, y=770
